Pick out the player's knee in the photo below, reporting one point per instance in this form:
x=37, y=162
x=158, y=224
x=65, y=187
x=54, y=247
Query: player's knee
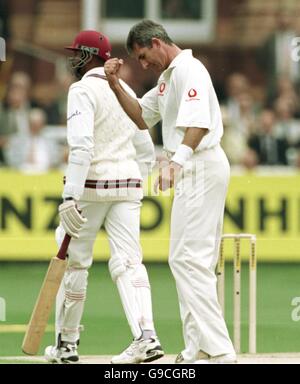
x=139, y=276
x=76, y=284
x=117, y=266
x=131, y=267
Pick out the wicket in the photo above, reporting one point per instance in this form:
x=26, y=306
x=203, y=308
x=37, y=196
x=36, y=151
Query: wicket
x=237, y=287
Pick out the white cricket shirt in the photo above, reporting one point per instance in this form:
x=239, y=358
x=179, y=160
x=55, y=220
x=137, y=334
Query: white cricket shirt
x=184, y=97
x=98, y=125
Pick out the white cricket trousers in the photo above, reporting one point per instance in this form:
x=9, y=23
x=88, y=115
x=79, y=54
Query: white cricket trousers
x=121, y=220
x=196, y=228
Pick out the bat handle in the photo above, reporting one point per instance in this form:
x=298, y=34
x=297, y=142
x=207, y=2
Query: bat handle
x=62, y=253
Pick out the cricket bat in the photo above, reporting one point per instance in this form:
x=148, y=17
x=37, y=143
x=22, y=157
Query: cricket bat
x=44, y=303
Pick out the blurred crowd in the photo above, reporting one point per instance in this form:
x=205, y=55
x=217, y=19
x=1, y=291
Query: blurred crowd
x=258, y=131
x=262, y=125
x=261, y=122
x=32, y=124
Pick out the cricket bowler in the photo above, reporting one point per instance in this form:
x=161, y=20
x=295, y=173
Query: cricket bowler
x=186, y=103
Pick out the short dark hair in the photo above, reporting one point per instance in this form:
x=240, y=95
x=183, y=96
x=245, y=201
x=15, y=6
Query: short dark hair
x=143, y=32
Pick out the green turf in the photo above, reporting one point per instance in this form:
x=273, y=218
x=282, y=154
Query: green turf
x=20, y=362
x=106, y=329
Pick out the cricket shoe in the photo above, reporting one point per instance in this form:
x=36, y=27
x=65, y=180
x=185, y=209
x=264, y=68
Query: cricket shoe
x=181, y=360
x=140, y=351
x=65, y=354
x=228, y=358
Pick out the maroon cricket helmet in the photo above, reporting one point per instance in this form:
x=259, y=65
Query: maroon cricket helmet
x=92, y=42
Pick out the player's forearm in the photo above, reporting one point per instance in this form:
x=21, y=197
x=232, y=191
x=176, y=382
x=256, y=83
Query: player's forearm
x=192, y=139
x=129, y=104
x=194, y=136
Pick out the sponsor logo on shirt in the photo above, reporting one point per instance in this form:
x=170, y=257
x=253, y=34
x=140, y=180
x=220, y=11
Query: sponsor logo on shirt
x=192, y=95
x=77, y=113
x=162, y=89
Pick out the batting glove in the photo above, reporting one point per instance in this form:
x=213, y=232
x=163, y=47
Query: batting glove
x=71, y=219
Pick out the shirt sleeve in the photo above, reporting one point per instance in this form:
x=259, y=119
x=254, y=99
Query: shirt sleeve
x=193, y=92
x=145, y=151
x=80, y=120
x=149, y=104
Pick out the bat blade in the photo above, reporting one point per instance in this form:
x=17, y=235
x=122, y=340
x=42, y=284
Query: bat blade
x=43, y=306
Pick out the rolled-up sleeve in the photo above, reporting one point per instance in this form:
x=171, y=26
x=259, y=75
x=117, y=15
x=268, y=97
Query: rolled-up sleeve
x=193, y=93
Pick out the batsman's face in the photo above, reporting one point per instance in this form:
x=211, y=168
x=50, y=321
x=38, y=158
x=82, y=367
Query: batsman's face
x=77, y=61
x=153, y=58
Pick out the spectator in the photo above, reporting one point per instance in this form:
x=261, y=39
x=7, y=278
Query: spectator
x=269, y=149
x=18, y=100
x=64, y=81
x=44, y=97
x=247, y=113
x=275, y=55
x=52, y=98
x=2, y=50
x=8, y=126
x=239, y=117
x=287, y=126
x=286, y=90
x=234, y=141
x=297, y=162
x=33, y=153
x=4, y=26
x=14, y=110
x=236, y=85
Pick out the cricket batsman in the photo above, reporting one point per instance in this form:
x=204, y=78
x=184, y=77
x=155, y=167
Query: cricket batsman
x=103, y=186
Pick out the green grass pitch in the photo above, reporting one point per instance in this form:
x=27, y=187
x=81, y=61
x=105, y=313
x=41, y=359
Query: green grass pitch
x=106, y=330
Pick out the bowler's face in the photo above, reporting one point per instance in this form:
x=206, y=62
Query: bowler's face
x=152, y=58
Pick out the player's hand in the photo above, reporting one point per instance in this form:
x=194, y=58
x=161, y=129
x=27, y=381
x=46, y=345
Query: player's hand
x=167, y=177
x=71, y=219
x=112, y=70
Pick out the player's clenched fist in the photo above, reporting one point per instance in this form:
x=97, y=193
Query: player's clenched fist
x=71, y=219
x=112, y=69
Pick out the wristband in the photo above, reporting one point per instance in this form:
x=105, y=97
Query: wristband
x=76, y=173
x=183, y=154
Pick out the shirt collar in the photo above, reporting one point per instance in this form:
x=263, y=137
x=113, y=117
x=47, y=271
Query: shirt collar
x=181, y=57
x=97, y=71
